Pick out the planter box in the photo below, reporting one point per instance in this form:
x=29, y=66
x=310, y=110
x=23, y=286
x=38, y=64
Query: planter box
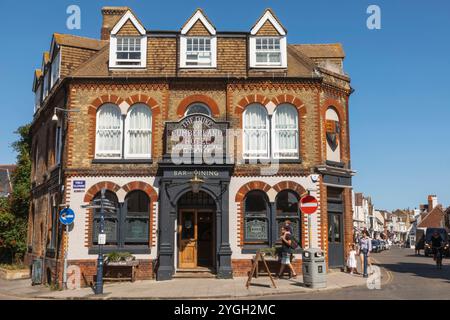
x=6, y=274
x=120, y=271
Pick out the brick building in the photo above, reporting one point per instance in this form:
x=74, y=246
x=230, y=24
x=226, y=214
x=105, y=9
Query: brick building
x=132, y=98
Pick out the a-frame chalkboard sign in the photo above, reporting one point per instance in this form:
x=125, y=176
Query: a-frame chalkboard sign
x=259, y=257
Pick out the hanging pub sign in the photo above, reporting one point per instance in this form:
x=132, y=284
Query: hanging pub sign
x=196, y=135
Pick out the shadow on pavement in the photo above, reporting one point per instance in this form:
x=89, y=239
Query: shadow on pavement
x=420, y=270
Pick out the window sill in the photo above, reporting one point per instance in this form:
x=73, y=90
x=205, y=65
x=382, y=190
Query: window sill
x=198, y=67
x=130, y=249
x=121, y=161
x=253, y=248
x=268, y=161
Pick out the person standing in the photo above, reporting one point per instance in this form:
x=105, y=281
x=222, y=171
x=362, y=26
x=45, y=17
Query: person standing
x=351, y=259
x=365, y=245
x=286, y=251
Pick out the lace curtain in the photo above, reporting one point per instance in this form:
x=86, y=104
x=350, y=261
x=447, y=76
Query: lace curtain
x=109, y=131
x=256, y=132
x=139, y=131
x=285, y=129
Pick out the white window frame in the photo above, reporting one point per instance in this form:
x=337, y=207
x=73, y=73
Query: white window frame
x=46, y=86
x=116, y=63
x=127, y=136
x=283, y=53
x=55, y=69
x=250, y=154
x=38, y=97
x=275, y=147
x=106, y=154
x=184, y=52
x=198, y=103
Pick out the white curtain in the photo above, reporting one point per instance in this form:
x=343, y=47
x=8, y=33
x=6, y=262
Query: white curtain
x=285, y=129
x=109, y=132
x=256, y=132
x=139, y=131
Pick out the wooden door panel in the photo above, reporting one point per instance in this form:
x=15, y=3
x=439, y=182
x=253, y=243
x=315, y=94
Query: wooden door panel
x=188, y=239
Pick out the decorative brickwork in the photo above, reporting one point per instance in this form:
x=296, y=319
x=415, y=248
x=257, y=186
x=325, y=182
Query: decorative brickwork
x=198, y=98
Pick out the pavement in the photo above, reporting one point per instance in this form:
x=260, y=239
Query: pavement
x=180, y=289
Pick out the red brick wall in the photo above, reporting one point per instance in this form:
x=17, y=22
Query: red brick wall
x=241, y=267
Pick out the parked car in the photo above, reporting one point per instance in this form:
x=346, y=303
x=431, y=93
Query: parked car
x=376, y=245
x=444, y=235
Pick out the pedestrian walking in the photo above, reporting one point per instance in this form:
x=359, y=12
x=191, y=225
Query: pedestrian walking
x=286, y=251
x=365, y=244
x=351, y=259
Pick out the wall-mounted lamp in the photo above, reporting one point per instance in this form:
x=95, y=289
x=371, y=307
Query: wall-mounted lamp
x=55, y=116
x=196, y=183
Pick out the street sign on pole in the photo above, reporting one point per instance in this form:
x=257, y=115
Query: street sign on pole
x=308, y=205
x=66, y=216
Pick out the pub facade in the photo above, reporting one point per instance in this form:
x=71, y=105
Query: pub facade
x=203, y=140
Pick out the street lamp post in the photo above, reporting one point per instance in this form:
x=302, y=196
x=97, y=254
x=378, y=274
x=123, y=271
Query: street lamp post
x=99, y=282
x=105, y=206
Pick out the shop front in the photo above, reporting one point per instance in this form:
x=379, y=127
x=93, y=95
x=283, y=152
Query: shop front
x=193, y=228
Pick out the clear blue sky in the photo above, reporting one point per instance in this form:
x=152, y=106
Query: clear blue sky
x=399, y=113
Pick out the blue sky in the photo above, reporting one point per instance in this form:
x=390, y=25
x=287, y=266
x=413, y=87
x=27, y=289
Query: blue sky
x=399, y=113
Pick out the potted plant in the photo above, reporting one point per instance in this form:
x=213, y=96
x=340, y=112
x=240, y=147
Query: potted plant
x=119, y=258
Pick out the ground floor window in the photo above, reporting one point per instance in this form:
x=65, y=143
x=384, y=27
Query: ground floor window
x=263, y=219
x=128, y=225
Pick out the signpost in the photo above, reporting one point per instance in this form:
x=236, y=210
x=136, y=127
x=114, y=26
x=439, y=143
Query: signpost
x=66, y=217
x=308, y=205
x=104, y=205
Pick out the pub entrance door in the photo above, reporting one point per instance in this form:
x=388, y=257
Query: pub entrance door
x=196, y=232
x=335, y=207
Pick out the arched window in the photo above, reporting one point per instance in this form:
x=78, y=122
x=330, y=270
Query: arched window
x=198, y=108
x=111, y=220
x=333, y=135
x=109, y=132
x=139, y=132
x=256, y=223
x=285, y=132
x=137, y=220
x=287, y=209
x=256, y=132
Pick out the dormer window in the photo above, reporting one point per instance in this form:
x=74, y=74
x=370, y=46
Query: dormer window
x=128, y=43
x=268, y=44
x=128, y=51
x=268, y=51
x=198, y=52
x=198, y=43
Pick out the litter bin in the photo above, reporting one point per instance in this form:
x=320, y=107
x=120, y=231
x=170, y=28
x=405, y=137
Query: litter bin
x=314, y=269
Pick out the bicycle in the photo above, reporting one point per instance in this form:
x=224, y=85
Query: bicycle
x=439, y=255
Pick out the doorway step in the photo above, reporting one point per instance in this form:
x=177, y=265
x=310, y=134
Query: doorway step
x=194, y=273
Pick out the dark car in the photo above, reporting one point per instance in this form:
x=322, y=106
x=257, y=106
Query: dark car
x=376, y=247
x=444, y=235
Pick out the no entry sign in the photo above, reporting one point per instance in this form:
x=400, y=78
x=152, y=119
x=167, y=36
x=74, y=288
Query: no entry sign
x=308, y=204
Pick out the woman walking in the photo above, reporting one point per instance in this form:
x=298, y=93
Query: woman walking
x=286, y=251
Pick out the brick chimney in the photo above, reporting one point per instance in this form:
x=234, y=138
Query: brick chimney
x=111, y=15
x=432, y=202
